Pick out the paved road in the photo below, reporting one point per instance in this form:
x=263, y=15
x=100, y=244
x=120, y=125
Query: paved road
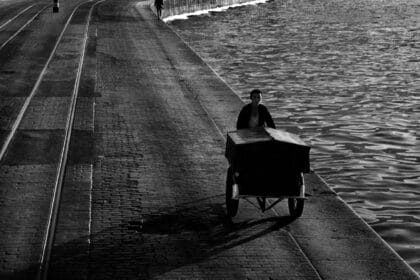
x=144, y=191
x=158, y=194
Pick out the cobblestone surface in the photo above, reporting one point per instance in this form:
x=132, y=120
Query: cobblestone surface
x=46, y=113
x=25, y=191
x=158, y=193
x=158, y=182
x=70, y=256
x=9, y=109
x=29, y=170
x=144, y=190
x=84, y=114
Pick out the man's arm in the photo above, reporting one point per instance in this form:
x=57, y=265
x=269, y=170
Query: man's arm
x=268, y=118
x=242, y=121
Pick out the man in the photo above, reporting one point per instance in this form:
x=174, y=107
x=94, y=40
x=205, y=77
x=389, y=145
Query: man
x=254, y=114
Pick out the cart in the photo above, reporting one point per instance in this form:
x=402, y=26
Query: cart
x=266, y=163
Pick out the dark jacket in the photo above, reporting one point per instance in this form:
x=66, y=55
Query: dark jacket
x=264, y=117
x=158, y=4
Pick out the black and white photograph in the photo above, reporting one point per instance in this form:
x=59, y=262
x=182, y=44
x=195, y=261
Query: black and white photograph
x=210, y=139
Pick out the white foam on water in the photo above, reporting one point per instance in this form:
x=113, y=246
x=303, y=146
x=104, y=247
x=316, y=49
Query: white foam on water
x=218, y=9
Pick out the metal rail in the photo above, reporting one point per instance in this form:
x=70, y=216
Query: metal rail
x=48, y=240
x=23, y=26
x=59, y=181
x=13, y=18
x=22, y=111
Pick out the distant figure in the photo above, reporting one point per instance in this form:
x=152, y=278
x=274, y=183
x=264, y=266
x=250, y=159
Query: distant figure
x=254, y=114
x=159, y=6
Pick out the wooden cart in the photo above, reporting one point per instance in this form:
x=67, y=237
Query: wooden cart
x=266, y=163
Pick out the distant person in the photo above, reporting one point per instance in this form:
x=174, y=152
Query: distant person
x=254, y=114
x=159, y=6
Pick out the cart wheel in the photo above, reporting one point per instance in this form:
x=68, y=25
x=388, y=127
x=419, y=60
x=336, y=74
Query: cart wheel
x=231, y=204
x=296, y=207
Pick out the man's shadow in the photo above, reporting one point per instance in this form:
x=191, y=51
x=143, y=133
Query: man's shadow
x=158, y=242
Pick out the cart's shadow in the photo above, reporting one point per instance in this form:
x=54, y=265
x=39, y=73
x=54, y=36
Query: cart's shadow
x=151, y=245
x=218, y=233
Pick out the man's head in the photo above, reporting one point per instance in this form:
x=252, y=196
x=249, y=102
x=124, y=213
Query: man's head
x=255, y=96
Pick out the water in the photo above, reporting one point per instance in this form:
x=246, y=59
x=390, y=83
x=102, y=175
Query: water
x=345, y=75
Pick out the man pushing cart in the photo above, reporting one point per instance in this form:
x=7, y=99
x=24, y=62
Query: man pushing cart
x=264, y=162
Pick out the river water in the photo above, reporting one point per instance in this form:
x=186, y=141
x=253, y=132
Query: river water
x=345, y=75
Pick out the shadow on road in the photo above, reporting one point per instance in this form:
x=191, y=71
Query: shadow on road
x=151, y=245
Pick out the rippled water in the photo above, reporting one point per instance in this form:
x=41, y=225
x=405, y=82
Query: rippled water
x=345, y=75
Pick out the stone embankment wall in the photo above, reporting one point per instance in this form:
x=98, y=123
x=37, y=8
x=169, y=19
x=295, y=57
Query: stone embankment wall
x=178, y=7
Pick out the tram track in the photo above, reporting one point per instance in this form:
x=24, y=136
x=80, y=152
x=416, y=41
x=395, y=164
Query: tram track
x=10, y=9
x=59, y=182
x=2, y=25
x=23, y=109
x=19, y=22
x=65, y=62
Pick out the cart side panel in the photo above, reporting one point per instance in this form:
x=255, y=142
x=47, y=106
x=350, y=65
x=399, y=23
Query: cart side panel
x=230, y=150
x=237, y=142
x=268, y=165
x=293, y=141
x=268, y=169
x=304, y=159
x=258, y=183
